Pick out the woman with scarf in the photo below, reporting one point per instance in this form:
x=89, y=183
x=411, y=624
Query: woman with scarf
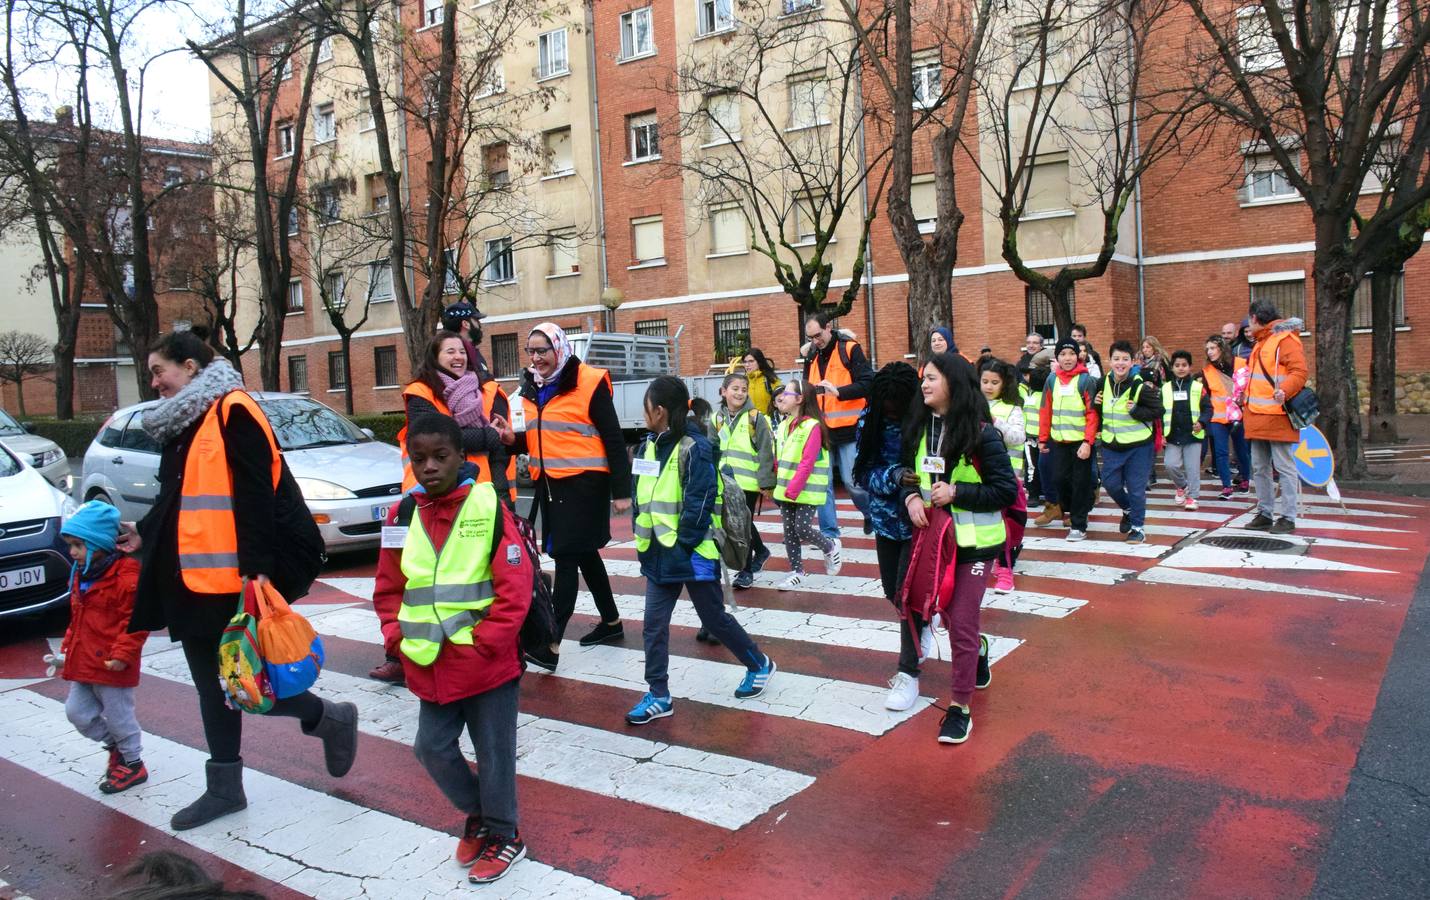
x=228, y=509
x=566, y=422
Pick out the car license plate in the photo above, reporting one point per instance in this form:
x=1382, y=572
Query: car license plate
x=379, y=513
x=15, y=579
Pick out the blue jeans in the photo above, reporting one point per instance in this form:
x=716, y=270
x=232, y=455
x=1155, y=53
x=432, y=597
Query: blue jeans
x=709, y=605
x=1224, y=437
x=1047, y=474
x=841, y=457
x=1124, y=475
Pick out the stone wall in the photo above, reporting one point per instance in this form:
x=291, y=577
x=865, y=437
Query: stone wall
x=1412, y=392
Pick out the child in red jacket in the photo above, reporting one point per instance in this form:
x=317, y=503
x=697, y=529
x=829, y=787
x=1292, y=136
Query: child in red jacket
x=101, y=658
x=453, y=587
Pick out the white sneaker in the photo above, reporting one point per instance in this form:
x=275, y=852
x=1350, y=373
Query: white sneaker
x=794, y=580
x=926, y=640
x=832, y=561
x=903, y=692
x=1075, y=535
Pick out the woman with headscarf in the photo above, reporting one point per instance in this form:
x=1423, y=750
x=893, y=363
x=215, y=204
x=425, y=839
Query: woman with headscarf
x=566, y=422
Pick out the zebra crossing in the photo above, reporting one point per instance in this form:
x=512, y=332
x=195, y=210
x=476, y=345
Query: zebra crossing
x=718, y=767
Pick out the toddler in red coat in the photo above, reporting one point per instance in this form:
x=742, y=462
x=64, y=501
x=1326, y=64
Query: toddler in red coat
x=101, y=659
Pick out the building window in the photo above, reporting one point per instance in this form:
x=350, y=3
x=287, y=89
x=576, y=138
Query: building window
x=722, y=118
x=923, y=197
x=333, y=290
x=648, y=240
x=637, y=37
x=645, y=137
x=280, y=52
x=1040, y=312
x=494, y=161
x=325, y=123
x=376, y=194
x=1265, y=179
x=808, y=102
x=495, y=80
x=500, y=267
x=1037, y=63
x=285, y=139
x=325, y=48
x=653, y=327
x=732, y=335
x=1288, y=296
x=1255, y=42
x=928, y=79
x=1048, y=190
x=1360, y=307
x=431, y=96
x=298, y=374
x=379, y=280
x=292, y=221
x=558, y=152
x=808, y=213
x=295, y=296
x=551, y=48
x=715, y=16
x=384, y=366
x=727, y=229
x=451, y=272
x=173, y=176
x=337, y=370
x=504, y=358
x=329, y=206
x=565, y=256
x=791, y=7
x=432, y=12
x=369, y=121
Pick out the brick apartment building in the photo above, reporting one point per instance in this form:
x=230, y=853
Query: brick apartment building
x=1215, y=231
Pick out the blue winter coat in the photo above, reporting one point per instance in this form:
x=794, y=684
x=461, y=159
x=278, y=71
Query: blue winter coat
x=679, y=564
x=880, y=477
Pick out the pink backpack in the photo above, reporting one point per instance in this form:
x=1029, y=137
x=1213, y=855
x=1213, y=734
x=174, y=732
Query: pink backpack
x=928, y=586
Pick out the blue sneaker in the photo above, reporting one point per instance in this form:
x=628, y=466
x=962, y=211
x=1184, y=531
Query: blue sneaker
x=758, y=560
x=754, y=683
x=649, y=709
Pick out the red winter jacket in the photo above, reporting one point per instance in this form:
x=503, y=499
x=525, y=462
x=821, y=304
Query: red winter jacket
x=99, y=618
x=1093, y=418
x=494, y=658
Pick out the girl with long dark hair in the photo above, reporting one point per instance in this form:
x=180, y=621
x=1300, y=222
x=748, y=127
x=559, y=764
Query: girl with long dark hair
x=802, y=479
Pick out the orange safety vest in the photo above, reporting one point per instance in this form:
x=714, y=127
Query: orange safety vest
x=484, y=469
x=837, y=413
x=208, y=535
x=567, y=442
x=1265, y=377
x=1220, y=386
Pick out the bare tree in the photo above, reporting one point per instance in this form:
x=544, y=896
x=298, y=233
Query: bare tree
x=1330, y=92
x=777, y=112
x=21, y=355
x=924, y=108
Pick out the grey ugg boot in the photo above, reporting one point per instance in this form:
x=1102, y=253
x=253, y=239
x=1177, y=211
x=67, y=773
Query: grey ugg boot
x=223, y=796
x=338, y=729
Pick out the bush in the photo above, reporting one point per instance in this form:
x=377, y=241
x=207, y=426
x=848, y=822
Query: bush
x=73, y=435
x=384, y=426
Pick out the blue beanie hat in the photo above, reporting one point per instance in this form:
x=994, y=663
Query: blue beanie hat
x=96, y=523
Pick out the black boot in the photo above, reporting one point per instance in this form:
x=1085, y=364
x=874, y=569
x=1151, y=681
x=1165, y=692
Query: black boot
x=338, y=729
x=223, y=796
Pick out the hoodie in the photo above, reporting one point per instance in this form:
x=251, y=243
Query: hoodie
x=1086, y=386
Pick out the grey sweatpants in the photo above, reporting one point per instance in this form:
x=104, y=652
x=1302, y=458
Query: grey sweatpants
x=490, y=718
x=1184, y=466
x=1266, y=455
x=105, y=714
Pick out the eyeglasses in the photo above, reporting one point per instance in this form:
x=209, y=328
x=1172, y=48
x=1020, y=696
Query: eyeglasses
x=538, y=351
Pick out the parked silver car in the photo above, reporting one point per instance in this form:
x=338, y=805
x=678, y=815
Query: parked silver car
x=348, y=478
x=34, y=563
x=40, y=452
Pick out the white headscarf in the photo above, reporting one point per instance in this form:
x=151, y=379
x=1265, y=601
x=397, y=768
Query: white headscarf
x=553, y=333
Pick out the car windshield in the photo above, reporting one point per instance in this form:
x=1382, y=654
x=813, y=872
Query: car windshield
x=9, y=465
x=303, y=424
x=9, y=427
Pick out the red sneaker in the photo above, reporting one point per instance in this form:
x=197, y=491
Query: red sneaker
x=114, y=758
x=497, y=858
x=389, y=672
x=474, y=840
x=122, y=776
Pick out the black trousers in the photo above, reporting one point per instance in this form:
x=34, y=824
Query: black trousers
x=563, y=591
x=753, y=499
x=223, y=725
x=1074, y=482
x=893, y=559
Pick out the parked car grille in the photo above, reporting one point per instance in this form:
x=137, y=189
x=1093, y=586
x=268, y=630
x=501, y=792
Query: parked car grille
x=57, y=573
x=359, y=530
x=22, y=529
x=382, y=490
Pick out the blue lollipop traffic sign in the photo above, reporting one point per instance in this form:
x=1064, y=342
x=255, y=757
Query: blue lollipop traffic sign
x=1315, y=462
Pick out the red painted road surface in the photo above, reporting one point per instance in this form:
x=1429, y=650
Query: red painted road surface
x=1170, y=725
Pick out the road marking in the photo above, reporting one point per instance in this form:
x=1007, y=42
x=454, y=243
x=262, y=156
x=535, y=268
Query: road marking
x=1301, y=540
x=1083, y=572
x=1202, y=556
x=1323, y=524
x=1188, y=578
x=7, y=892
x=322, y=846
x=709, y=787
x=14, y=684
x=1112, y=548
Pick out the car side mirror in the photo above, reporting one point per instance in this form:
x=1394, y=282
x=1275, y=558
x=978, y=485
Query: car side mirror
x=369, y=432
x=28, y=426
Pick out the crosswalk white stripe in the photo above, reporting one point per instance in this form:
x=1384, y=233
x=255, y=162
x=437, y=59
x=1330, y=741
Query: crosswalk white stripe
x=1204, y=556
x=827, y=701
x=1154, y=515
x=7, y=892
x=1302, y=540
x=1205, y=580
x=1324, y=524
x=1112, y=548
x=309, y=841
x=776, y=530
x=1083, y=572
x=708, y=787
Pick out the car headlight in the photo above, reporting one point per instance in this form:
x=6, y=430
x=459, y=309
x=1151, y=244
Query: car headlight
x=41, y=460
x=317, y=489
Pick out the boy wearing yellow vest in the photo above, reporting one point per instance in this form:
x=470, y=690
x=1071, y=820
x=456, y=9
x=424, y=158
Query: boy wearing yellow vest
x=1129, y=407
x=1186, y=410
x=1067, y=430
x=454, y=584
x=676, y=511
x=747, y=446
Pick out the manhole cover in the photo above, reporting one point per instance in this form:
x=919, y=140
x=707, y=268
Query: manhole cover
x=1263, y=544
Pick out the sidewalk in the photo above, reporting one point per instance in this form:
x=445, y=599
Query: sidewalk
x=1402, y=468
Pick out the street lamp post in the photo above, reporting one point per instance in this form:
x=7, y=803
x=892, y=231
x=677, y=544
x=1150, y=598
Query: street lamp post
x=611, y=299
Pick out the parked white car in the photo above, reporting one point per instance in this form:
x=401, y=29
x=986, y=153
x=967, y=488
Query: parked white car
x=34, y=563
x=348, y=479
x=40, y=452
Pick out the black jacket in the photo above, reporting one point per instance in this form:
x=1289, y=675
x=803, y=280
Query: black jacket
x=576, y=511
x=1182, y=415
x=276, y=535
x=1148, y=407
x=997, y=491
x=475, y=440
x=861, y=375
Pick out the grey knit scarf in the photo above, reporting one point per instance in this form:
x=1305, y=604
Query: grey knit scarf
x=167, y=419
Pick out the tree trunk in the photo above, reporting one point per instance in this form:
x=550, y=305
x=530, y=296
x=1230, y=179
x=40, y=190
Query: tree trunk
x=1335, y=366
x=345, y=341
x=68, y=327
x=20, y=395
x=270, y=352
x=1383, y=427
x=930, y=287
